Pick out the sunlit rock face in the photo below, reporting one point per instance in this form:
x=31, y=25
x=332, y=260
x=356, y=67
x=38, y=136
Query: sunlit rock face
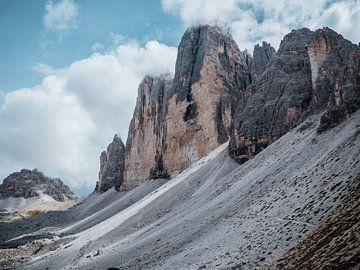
x=181, y=120
x=111, y=172
x=210, y=78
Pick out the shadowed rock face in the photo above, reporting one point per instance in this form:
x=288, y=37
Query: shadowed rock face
x=311, y=72
x=111, y=172
x=146, y=141
x=31, y=183
x=336, y=82
x=281, y=95
x=262, y=55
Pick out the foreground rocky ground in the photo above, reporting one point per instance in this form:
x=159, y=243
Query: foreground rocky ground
x=335, y=244
x=15, y=256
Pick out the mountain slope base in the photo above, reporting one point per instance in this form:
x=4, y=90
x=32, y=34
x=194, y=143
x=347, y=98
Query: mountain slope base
x=224, y=215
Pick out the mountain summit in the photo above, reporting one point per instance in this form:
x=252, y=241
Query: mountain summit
x=220, y=92
x=33, y=183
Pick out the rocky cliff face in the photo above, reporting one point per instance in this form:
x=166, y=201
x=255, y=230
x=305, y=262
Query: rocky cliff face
x=311, y=72
x=281, y=94
x=145, y=143
x=335, y=75
x=219, y=92
x=211, y=76
x=262, y=55
x=178, y=121
x=112, y=162
x=32, y=183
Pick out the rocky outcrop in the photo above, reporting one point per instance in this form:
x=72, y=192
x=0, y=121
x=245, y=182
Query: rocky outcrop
x=262, y=55
x=112, y=162
x=219, y=92
x=211, y=77
x=146, y=131
x=281, y=95
x=178, y=121
x=335, y=64
x=311, y=72
x=33, y=183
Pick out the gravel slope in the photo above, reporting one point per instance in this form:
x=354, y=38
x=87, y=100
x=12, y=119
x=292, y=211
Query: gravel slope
x=218, y=214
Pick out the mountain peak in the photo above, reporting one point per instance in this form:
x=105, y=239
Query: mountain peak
x=33, y=183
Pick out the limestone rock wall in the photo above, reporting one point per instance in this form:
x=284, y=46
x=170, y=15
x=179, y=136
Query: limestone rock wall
x=280, y=96
x=326, y=51
x=145, y=142
x=181, y=120
x=262, y=55
x=211, y=76
x=337, y=85
x=112, y=163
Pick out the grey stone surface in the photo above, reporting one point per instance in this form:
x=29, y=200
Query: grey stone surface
x=111, y=172
x=311, y=72
x=262, y=55
x=31, y=183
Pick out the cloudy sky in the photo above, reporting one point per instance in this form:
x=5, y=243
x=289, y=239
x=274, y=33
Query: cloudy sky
x=70, y=69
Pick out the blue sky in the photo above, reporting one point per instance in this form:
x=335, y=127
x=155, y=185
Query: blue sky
x=26, y=42
x=70, y=69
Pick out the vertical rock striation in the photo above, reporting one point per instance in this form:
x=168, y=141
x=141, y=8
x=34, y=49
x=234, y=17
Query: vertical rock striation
x=112, y=163
x=145, y=142
x=311, y=72
x=281, y=95
x=262, y=55
x=211, y=76
x=178, y=121
x=335, y=66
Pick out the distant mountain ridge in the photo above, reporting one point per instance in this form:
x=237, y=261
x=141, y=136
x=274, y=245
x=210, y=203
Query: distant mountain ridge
x=33, y=183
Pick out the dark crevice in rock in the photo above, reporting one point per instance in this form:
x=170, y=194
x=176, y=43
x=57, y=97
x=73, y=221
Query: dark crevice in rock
x=190, y=112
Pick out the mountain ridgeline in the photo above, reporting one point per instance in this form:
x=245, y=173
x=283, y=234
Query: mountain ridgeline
x=33, y=183
x=221, y=93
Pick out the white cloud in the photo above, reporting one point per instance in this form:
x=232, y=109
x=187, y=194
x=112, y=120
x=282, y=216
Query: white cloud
x=252, y=21
x=202, y=11
x=117, y=39
x=61, y=16
x=63, y=124
x=97, y=47
x=47, y=69
x=343, y=17
x=45, y=127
